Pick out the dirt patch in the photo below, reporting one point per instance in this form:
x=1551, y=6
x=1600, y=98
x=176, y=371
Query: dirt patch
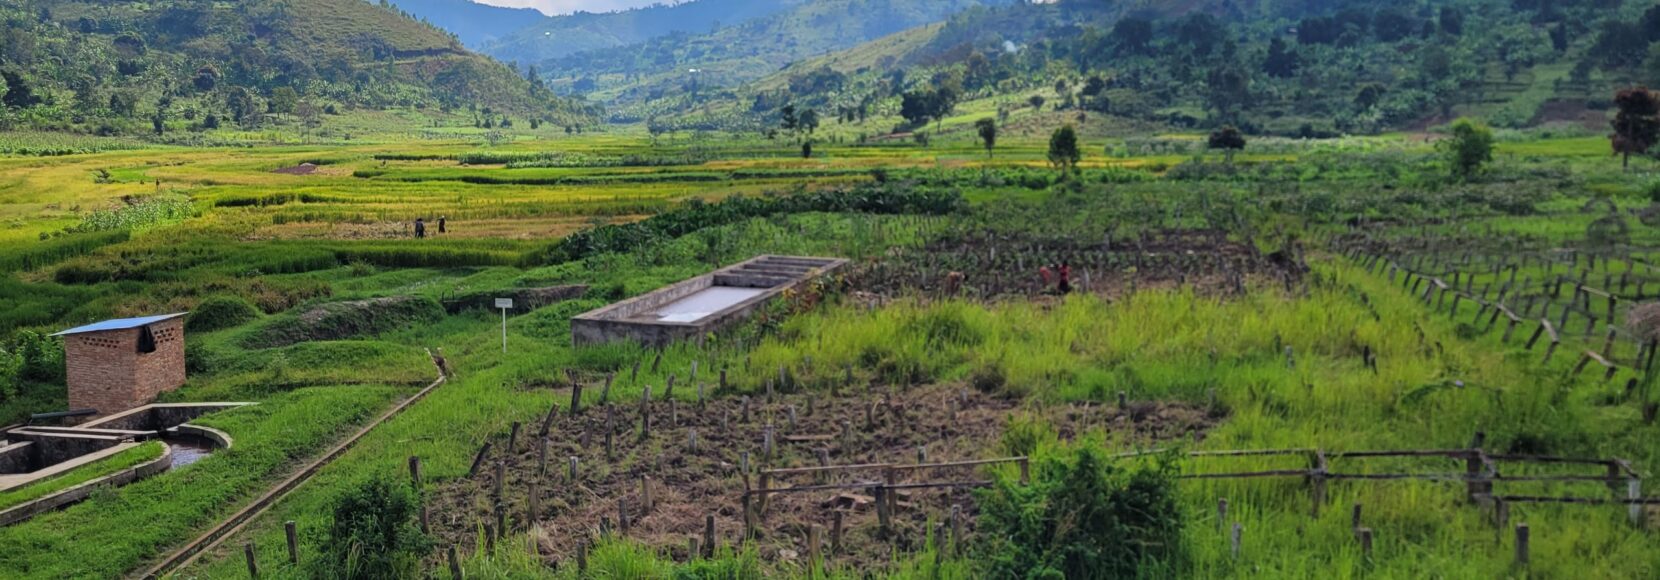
x=991, y=266
x=301, y=169
x=949, y=423
x=1570, y=112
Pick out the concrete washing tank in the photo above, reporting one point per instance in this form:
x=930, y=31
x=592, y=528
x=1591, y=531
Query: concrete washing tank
x=696, y=307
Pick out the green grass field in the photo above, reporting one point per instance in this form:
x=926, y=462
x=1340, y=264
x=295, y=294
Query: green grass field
x=1281, y=365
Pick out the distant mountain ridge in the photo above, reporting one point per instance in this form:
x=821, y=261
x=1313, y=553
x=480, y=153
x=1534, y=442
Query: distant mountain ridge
x=558, y=36
x=476, y=24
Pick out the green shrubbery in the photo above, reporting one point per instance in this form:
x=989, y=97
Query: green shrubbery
x=374, y=534
x=1084, y=515
x=220, y=312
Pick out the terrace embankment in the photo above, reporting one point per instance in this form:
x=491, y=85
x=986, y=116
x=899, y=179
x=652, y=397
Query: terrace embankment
x=692, y=476
x=994, y=265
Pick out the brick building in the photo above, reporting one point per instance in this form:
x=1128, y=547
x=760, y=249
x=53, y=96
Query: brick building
x=119, y=364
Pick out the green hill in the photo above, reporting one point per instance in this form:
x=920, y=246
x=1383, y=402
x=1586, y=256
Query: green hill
x=734, y=55
x=125, y=67
x=1296, y=68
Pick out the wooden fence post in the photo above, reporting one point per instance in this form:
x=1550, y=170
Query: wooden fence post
x=1365, y=535
x=455, y=564
x=478, y=459
x=709, y=536
x=293, y=542
x=253, y=565
x=1221, y=514
x=415, y=472
x=1522, y=539
x=836, y=532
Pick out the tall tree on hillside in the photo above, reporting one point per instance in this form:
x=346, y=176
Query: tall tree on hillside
x=1282, y=61
x=1637, y=124
x=987, y=128
x=1228, y=139
x=1230, y=89
x=1133, y=36
x=1063, y=148
x=1468, y=149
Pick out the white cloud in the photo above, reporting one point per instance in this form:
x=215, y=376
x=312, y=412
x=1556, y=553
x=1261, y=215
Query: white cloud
x=569, y=6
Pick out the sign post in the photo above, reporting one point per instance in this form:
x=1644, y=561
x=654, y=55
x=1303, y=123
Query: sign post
x=504, y=304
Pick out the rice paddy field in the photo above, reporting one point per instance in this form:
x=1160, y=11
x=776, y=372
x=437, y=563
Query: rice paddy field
x=1266, y=304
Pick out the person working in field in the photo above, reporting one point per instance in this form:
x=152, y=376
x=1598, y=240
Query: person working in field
x=1065, y=283
x=420, y=228
x=441, y=223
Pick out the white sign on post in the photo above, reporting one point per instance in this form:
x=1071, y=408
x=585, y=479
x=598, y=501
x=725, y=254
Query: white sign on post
x=504, y=304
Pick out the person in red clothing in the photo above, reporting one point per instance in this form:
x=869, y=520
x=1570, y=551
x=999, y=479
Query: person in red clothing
x=1048, y=276
x=1065, y=284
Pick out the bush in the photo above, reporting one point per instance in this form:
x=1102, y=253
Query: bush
x=220, y=312
x=1083, y=516
x=374, y=534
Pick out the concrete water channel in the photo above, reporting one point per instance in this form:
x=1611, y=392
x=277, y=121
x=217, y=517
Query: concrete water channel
x=694, y=308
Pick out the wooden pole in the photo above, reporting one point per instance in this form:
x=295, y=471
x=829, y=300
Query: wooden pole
x=293, y=541
x=513, y=439
x=836, y=532
x=253, y=565
x=415, y=472
x=1522, y=539
x=1365, y=535
x=1237, y=537
x=478, y=459
x=455, y=565
x=709, y=536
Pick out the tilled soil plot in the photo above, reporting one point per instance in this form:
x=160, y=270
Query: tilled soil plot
x=690, y=481
x=993, y=266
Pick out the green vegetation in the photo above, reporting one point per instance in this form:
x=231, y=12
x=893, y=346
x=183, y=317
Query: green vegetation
x=1044, y=246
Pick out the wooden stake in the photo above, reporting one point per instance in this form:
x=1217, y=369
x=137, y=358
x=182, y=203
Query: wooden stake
x=570, y=468
x=253, y=565
x=478, y=459
x=1221, y=513
x=576, y=399
x=415, y=472
x=293, y=536
x=513, y=439
x=622, y=515
x=455, y=564
x=812, y=550
x=836, y=532
x=426, y=518
x=1365, y=535
x=1522, y=539
x=709, y=536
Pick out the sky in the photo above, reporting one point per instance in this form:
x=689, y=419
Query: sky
x=569, y=6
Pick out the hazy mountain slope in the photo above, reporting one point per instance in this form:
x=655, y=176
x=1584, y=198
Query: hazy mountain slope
x=475, y=24
x=742, y=53
x=558, y=36
x=119, y=67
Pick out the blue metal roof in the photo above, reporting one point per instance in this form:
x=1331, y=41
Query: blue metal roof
x=121, y=324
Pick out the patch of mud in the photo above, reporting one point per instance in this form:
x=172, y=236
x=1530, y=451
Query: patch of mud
x=992, y=266
x=948, y=423
x=301, y=169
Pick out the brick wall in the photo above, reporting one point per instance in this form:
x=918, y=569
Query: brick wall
x=106, y=372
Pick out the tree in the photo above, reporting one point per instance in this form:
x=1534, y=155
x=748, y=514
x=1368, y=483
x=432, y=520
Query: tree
x=809, y=121
x=1282, y=61
x=1229, y=88
x=1132, y=36
x=283, y=100
x=1637, y=124
x=18, y=95
x=1469, y=148
x=987, y=128
x=1063, y=148
x=210, y=122
x=206, y=78
x=1228, y=139
x=158, y=121
x=1036, y=101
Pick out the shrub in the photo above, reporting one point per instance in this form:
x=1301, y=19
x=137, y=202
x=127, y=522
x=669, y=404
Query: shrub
x=1083, y=516
x=220, y=312
x=373, y=534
